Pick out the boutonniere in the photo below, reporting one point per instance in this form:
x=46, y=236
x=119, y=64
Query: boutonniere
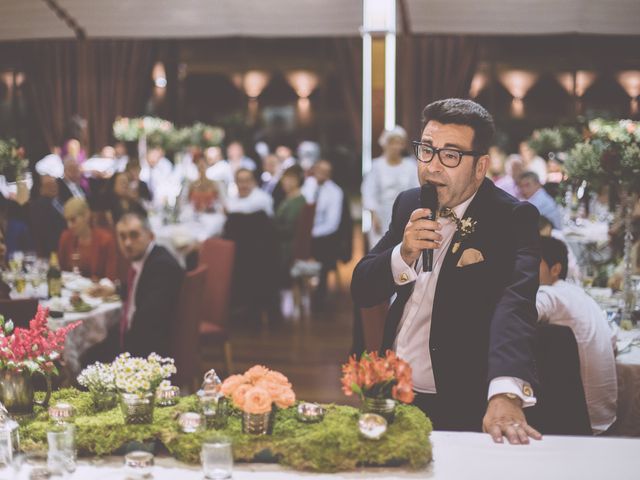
x=464, y=229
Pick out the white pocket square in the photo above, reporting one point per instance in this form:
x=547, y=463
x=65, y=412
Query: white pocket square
x=469, y=257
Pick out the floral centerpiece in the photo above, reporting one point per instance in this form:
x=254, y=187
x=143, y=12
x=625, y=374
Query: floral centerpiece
x=131, y=129
x=256, y=393
x=136, y=380
x=13, y=163
x=380, y=382
x=24, y=352
x=204, y=136
x=100, y=380
x=554, y=140
x=610, y=155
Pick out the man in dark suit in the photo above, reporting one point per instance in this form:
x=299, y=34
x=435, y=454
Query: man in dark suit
x=69, y=185
x=153, y=288
x=467, y=327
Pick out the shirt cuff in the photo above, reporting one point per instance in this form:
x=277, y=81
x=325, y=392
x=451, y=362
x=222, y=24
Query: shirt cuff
x=402, y=273
x=514, y=385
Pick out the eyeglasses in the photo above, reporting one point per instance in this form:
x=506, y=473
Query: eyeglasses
x=449, y=157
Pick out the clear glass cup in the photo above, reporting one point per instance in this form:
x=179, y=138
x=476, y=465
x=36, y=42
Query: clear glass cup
x=217, y=458
x=61, y=456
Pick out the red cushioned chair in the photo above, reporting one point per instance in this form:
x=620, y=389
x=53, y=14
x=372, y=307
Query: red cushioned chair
x=21, y=311
x=184, y=331
x=219, y=256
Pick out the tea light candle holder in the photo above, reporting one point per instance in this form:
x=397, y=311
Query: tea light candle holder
x=214, y=408
x=310, y=412
x=372, y=426
x=61, y=412
x=190, y=422
x=167, y=395
x=138, y=464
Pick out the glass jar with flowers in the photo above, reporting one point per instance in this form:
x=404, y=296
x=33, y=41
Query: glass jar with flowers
x=136, y=381
x=380, y=381
x=100, y=380
x=257, y=393
x=25, y=352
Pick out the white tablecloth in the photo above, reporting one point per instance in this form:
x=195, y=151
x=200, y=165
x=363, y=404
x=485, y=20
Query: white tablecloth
x=457, y=456
x=628, y=368
x=191, y=230
x=93, y=330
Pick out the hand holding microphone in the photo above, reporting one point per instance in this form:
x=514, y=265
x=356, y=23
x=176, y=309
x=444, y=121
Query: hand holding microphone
x=421, y=232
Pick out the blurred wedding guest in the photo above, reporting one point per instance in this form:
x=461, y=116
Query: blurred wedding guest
x=203, y=192
x=122, y=199
x=328, y=197
x=250, y=198
x=599, y=204
x=498, y=160
x=139, y=189
x=272, y=169
x=71, y=184
x=73, y=149
x=51, y=164
x=153, y=287
x=287, y=216
x=513, y=168
x=46, y=217
x=156, y=170
x=219, y=171
x=237, y=159
x=533, y=162
x=390, y=174
x=92, y=250
x=531, y=189
x=561, y=303
x=5, y=289
x=121, y=156
x=285, y=155
x=546, y=230
x=308, y=154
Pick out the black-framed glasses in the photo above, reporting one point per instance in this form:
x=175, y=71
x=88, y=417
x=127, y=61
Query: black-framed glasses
x=449, y=157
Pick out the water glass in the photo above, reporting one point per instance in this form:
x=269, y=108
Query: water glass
x=217, y=458
x=61, y=456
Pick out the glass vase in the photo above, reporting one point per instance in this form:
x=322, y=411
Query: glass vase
x=137, y=408
x=17, y=391
x=103, y=400
x=385, y=407
x=257, y=423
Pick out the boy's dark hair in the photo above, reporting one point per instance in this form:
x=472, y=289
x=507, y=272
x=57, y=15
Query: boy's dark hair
x=555, y=251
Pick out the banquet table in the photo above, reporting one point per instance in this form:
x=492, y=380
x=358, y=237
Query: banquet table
x=92, y=330
x=457, y=455
x=628, y=369
x=189, y=231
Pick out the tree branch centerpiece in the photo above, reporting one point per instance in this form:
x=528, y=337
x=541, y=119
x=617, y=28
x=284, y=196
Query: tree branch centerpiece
x=25, y=352
x=380, y=382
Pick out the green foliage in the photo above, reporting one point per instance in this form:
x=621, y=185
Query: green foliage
x=559, y=139
x=329, y=446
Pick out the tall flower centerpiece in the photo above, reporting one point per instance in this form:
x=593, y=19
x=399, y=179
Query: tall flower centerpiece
x=136, y=380
x=25, y=352
x=610, y=155
x=256, y=393
x=380, y=382
x=100, y=380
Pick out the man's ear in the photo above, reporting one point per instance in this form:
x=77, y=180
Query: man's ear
x=555, y=270
x=482, y=165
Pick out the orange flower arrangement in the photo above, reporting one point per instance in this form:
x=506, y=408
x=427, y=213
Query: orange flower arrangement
x=258, y=389
x=378, y=377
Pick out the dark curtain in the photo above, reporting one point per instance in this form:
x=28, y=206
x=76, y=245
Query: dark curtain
x=348, y=54
x=115, y=80
x=51, y=69
x=432, y=67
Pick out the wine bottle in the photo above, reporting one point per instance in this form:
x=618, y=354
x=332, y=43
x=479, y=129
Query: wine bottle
x=54, y=276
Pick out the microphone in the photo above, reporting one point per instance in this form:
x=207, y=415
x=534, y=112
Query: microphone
x=428, y=199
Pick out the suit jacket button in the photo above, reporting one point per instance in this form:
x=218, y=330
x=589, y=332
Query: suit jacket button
x=404, y=277
x=434, y=349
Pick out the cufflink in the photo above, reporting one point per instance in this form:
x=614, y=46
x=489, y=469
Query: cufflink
x=404, y=277
x=527, y=391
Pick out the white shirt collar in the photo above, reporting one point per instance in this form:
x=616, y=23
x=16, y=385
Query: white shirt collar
x=138, y=264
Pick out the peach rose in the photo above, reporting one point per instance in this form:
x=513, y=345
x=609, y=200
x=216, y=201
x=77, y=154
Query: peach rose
x=285, y=398
x=231, y=383
x=238, y=396
x=257, y=400
x=256, y=373
x=277, y=377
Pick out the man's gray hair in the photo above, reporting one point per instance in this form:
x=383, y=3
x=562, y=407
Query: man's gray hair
x=530, y=176
x=143, y=219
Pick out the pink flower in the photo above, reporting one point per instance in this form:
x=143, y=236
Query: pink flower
x=257, y=400
x=238, y=396
x=285, y=398
x=231, y=383
x=256, y=373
